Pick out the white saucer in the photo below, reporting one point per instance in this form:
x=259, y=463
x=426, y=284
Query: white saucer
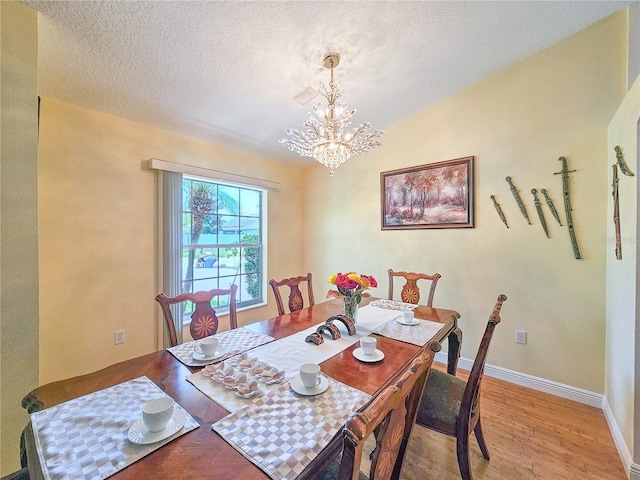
x=201, y=357
x=376, y=357
x=298, y=387
x=402, y=321
x=139, y=433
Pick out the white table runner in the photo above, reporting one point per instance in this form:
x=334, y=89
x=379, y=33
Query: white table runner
x=233, y=341
x=282, y=432
x=291, y=352
x=86, y=438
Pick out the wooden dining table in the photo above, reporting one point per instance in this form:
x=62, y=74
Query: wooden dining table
x=202, y=453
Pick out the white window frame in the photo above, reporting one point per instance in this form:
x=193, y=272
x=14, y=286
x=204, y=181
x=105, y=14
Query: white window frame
x=170, y=239
x=262, y=244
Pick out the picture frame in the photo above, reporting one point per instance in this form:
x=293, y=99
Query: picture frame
x=435, y=195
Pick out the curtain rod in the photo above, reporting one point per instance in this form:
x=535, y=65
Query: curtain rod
x=156, y=164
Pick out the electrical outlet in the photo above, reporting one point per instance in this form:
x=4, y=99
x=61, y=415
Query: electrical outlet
x=118, y=337
x=521, y=336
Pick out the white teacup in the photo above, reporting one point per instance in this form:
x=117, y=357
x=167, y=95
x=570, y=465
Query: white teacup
x=206, y=347
x=408, y=316
x=157, y=413
x=310, y=374
x=368, y=345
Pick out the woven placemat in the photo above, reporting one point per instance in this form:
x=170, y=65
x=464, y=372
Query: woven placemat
x=86, y=438
x=233, y=342
x=282, y=431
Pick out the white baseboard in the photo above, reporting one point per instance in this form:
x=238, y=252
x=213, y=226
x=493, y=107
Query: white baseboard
x=537, y=383
x=564, y=391
x=632, y=469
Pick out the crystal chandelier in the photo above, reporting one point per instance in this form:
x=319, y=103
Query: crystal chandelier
x=326, y=136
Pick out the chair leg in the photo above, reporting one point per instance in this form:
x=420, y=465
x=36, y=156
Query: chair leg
x=480, y=437
x=462, y=451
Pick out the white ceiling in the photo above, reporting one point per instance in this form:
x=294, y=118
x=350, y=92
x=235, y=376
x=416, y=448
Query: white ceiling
x=226, y=71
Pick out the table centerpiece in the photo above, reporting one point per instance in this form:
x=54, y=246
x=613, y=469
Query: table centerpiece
x=351, y=287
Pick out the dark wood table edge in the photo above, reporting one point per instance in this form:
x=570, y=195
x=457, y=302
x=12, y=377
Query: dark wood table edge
x=450, y=331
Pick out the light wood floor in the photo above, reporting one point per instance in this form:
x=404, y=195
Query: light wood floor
x=530, y=435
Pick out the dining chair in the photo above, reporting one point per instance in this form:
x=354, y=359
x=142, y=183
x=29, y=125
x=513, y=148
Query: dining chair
x=410, y=290
x=389, y=417
x=296, y=300
x=451, y=406
x=204, y=321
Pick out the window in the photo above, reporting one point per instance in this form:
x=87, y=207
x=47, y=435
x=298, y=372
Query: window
x=212, y=233
x=222, y=238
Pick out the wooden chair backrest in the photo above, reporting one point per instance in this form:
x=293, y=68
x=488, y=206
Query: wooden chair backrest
x=410, y=291
x=387, y=415
x=296, y=299
x=204, y=321
x=469, y=405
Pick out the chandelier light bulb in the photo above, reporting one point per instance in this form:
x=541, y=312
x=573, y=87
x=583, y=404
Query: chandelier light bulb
x=327, y=138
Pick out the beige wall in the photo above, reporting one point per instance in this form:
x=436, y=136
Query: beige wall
x=621, y=349
x=98, y=232
x=18, y=229
x=97, y=225
x=515, y=123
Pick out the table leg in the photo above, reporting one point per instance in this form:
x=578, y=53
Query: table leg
x=455, y=344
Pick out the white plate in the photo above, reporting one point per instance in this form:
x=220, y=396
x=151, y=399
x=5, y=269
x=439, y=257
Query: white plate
x=402, y=321
x=298, y=387
x=375, y=357
x=139, y=433
x=201, y=357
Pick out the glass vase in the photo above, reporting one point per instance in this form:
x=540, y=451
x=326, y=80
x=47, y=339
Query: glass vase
x=351, y=307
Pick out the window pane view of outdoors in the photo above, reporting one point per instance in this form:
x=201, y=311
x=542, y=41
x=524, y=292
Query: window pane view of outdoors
x=222, y=239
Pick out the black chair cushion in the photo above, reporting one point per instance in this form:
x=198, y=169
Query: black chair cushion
x=332, y=470
x=440, y=402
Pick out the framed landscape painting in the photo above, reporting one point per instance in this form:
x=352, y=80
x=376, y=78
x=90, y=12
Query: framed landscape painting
x=436, y=195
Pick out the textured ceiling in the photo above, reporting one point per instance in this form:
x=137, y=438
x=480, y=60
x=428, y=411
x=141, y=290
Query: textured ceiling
x=226, y=71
